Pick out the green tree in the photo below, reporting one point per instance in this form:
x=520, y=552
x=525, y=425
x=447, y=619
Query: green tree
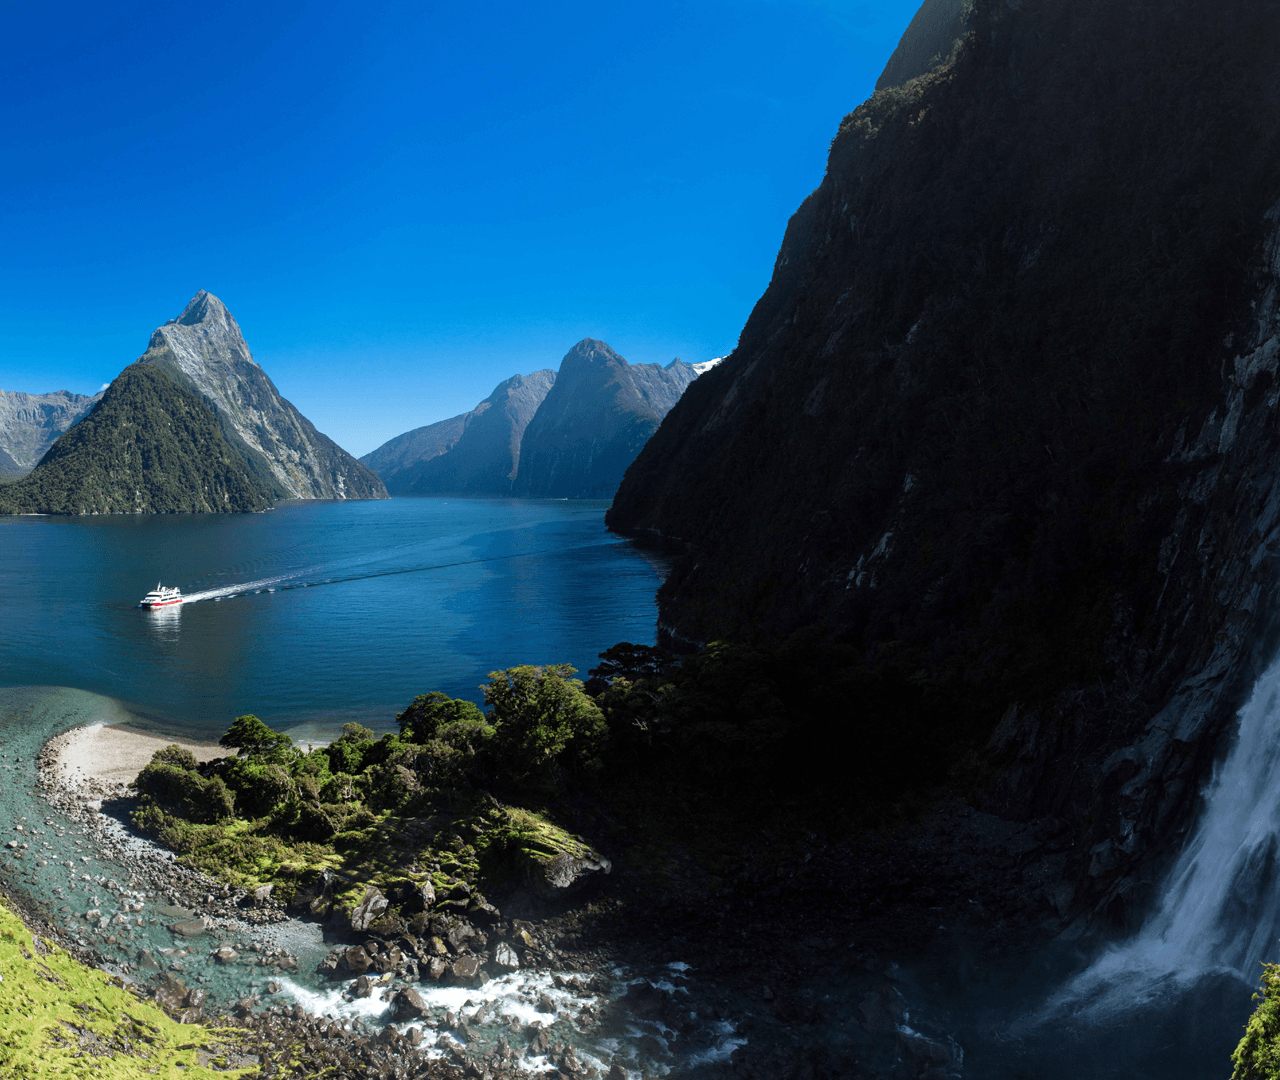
x=429, y=713
x=252, y=737
x=543, y=721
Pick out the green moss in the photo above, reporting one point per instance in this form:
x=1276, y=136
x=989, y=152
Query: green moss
x=61, y=1019
x=1258, y=1055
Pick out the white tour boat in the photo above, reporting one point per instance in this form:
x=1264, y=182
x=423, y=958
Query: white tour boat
x=161, y=597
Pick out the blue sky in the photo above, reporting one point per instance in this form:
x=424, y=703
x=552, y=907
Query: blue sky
x=404, y=204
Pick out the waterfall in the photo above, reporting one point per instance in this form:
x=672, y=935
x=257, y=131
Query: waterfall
x=1219, y=911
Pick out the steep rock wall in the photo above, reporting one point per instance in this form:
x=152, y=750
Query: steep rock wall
x=30, y=423
x=1007, y=410
x=485, y=458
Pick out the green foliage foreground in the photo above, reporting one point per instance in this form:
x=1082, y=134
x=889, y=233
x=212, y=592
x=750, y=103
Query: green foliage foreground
x=1258, y=1055
x=61, y=1019
x=642, y=758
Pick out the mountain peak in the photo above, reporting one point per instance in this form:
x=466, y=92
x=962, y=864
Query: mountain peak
x=590, y=351
x=203, y=307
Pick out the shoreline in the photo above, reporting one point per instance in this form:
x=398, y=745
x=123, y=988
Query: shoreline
x=112, y=754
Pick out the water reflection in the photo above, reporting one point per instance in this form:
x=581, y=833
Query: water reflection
x=164, y=623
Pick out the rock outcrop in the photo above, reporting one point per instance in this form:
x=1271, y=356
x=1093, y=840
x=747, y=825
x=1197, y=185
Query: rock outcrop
x=204, y=348
x=30, y=424
x=1008, y=416
x=594, y=421
x=477, y=453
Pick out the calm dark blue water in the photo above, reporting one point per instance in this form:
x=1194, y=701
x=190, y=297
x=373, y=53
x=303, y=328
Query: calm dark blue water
x=315, y=614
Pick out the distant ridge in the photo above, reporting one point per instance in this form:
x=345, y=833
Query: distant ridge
x=594, y=421
x=29, y=424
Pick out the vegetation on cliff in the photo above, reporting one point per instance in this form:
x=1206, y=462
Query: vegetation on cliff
x=1258, y=1055
x=150, y=446
x=59, y=1018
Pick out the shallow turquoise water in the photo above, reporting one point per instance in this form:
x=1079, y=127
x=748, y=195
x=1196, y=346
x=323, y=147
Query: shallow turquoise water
x=315, y=614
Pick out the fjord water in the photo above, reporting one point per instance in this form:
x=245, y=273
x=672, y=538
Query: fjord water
x=315, y=614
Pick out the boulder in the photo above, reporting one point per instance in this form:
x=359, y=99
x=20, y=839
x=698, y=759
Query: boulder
x=504, y=957
x=189, y=927
x=355, y=961
x=371, y=905
x=459, y=934
x=427, y=891
x=263, y=893
x=466, y=971
x=408, y=1005
x=363, y=987
x=437, y=967
x=225, y=955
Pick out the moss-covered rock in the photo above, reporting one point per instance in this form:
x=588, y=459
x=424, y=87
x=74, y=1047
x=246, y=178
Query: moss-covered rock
x=61, y=1019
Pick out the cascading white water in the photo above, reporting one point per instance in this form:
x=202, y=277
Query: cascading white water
x=1220, y=908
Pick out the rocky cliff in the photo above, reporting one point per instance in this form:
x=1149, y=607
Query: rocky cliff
x=1007, y=415
x=927, y=43
x=477, y=453
x=204, y=349
x=594, y=420
x=29, y=424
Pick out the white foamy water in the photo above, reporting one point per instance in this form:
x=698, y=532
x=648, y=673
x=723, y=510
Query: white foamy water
x=513, y=1005
x=1219, y=912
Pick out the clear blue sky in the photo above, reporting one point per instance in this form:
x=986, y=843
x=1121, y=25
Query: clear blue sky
x=404, y=204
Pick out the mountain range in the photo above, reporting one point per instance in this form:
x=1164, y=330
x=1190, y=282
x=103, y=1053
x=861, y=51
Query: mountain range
x=30, y=423
x=194, y=425
x=565, y=434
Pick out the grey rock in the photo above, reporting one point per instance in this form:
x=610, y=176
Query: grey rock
x=408, y=1005
x=226, y=955
x=355, y=961
x=504, y=956
x=371, y=905
x=204, y=348
x=31, y=423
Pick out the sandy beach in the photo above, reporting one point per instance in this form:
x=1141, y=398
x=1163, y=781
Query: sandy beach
x=115, y=754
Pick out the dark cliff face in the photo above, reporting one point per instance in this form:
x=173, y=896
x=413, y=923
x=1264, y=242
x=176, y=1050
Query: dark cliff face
x=594, y=421
x=927, y=43
x=485, y=458
x=1008, y=410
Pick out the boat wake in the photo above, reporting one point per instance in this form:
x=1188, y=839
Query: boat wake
x=310, y=577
